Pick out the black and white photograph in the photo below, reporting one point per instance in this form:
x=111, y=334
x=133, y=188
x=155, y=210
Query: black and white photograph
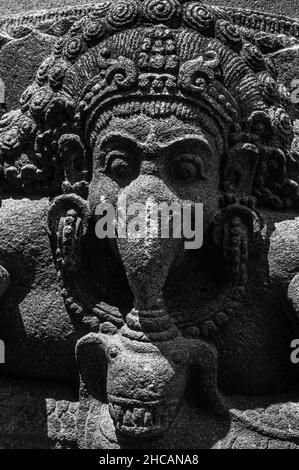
x=149, y=230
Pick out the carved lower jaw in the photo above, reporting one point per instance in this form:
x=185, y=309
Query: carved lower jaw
x=142, y=419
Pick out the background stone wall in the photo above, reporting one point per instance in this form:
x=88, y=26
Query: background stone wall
x=9, y=7
x=286, y=7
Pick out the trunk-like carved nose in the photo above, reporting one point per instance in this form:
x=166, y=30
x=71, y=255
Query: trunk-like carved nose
x=148, y=258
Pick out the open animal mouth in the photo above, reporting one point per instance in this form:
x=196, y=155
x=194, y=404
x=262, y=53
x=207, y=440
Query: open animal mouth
x=142, y=419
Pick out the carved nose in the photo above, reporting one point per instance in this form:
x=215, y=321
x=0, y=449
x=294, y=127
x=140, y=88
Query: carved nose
x=147, y=256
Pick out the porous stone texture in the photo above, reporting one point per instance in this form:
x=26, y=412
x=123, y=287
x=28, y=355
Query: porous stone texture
x=38, y=334
x=287, y=7
x=21, y=6
x=140, y=342
x=26, y=54
x=35, y=415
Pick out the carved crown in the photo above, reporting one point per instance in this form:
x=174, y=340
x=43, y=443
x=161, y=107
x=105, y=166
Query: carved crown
x=160, y=58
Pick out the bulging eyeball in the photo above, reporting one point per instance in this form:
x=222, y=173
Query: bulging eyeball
x=113, y=352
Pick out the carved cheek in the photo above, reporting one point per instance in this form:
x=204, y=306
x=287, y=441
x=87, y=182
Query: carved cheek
x=102, y=190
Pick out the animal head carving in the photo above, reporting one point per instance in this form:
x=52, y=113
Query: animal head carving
x=157, y=59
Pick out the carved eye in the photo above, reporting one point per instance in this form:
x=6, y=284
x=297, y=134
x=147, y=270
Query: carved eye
x=188, y=167
x=121, y=166
x=113, y=352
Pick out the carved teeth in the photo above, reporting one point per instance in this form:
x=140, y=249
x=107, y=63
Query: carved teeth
x=119, y=412
x=142, y=420
x=148, y=419
x=128, y=419
x=139, y=416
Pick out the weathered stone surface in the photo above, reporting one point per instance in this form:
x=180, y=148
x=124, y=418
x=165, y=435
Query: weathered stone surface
x=25, y=54
x=4, y=280
x=288, y=7
x=20, y=6
x=38, y=335
x=36, y=416
x=155, y=102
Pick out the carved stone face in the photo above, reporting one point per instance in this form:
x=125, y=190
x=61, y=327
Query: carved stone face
x=172, y=102
x=139, y=151
x=145, y=385
x=166, y=161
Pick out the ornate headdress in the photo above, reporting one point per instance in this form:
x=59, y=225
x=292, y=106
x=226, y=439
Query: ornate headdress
x=159, y=58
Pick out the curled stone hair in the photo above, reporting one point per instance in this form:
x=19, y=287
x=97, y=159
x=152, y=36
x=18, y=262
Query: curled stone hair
x=158, y=58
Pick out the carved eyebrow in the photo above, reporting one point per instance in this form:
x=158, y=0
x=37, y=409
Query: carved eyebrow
x=188, y=141
x=129, y=141
x=123, y=138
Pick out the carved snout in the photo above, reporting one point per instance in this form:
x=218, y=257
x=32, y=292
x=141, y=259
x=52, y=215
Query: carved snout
x=145, y=388
x=143, y=384
x=149, y=255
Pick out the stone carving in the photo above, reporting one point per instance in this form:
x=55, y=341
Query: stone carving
x=29, y=419
x=58, y=21
x=4, y=280
x=175, y=101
